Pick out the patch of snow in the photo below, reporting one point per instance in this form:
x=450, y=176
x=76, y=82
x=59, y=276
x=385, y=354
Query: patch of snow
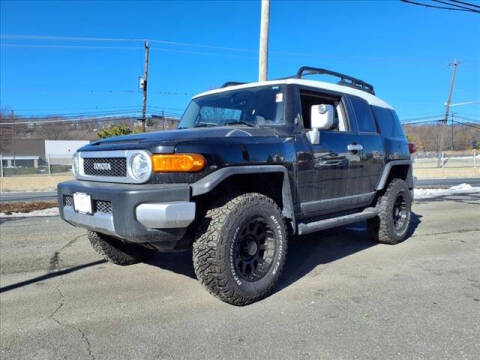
x=419, y=194
x=45, y=212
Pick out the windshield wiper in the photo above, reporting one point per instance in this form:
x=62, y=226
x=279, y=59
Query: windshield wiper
x=203, y=124
x=239, y=122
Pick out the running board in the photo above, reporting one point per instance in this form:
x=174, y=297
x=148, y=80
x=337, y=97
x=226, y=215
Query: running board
x=308, y=228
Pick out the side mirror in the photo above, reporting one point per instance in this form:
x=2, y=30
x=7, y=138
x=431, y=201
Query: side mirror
x=321, y=118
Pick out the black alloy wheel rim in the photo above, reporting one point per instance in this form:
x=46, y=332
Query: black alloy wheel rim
x=400, y=213
x=254, y=249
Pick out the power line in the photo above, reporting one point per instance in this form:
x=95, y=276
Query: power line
x=81, y=118
x=454, y=8
x=467, y=114
x=421, y=122
x=42, y=122
x=100, y=39
x=429, y=6
x=85, y=113
x=423, y=117
x=159, y=92
x=468, y=125
x=98, y=112
x=466, y=118
x=458, y=6
x=70, y=46
x=123, y=48
x=164, y=42
x=166, y=108
x=465, y=3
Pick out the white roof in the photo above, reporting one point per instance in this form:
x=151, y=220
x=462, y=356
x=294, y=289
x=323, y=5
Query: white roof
x=369, y=98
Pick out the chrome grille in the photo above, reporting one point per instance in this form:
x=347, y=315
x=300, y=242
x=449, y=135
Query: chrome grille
x=105, y=166
x=67, y=200
x=98, y=205
x=103, y=206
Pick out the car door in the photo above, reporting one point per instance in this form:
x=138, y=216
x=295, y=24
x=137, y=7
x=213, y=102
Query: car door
x=370, y=145
x=327, y=170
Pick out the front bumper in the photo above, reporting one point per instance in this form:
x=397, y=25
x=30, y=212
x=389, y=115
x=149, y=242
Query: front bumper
x=147, y=213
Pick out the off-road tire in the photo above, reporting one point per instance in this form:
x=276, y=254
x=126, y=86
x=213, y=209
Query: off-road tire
x=382, y=228
x=219, y=235
x=117, y=251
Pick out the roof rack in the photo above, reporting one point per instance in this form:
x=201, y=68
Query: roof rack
x=345, y=80
x=232, y=83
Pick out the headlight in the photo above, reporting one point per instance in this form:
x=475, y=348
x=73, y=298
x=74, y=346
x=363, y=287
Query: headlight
x=140, y=166
x=75, y=164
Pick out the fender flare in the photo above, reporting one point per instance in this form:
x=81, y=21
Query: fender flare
x=209, y=182
x=386, y=171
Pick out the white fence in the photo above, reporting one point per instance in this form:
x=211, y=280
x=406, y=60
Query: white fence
x=34, y=165
x=448, y=159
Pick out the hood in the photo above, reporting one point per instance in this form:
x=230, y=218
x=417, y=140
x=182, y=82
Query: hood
x=170, y=138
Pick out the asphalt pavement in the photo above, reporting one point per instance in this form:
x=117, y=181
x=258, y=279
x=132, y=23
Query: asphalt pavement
x=341, y=296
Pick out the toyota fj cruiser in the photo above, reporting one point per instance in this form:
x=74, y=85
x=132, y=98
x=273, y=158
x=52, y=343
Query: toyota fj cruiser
x=249, y=165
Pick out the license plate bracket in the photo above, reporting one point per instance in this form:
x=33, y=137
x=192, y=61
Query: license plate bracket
x=82, y=203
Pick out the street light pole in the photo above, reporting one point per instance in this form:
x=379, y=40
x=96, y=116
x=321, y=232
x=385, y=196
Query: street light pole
x=263, y=51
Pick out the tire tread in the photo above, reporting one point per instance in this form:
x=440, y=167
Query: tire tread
x=381, y=227
x=212, y=273
x=118, y=252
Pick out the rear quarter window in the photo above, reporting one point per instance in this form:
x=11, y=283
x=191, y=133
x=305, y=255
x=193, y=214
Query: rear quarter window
x=364, y=116
x=388, y=122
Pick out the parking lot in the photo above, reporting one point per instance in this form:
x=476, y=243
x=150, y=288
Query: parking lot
x=340, y=297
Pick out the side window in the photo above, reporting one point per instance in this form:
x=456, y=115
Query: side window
x=364, y=115
x=388, y=122
x=309, y=98
x=398, y=127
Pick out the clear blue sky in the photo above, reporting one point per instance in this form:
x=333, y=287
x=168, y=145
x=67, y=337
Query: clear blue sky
x=403, y=50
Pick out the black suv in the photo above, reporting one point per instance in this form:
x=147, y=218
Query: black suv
x=249, y=165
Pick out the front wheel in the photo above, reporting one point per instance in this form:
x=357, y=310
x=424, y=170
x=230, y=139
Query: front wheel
x=117, y=251
x=240, y=248
x=393, y=220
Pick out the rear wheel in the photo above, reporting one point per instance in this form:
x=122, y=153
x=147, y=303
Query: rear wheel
x=240, y=248
x=117, y=251
x=393, y=220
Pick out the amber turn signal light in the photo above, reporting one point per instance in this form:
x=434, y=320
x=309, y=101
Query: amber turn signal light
x=177, y=162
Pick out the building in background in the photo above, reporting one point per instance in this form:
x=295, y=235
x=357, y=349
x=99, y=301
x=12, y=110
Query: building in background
x=61, y=151
x=34, y=152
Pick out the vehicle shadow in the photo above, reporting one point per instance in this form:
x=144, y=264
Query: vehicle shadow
x=305, y=253
x=177, y=262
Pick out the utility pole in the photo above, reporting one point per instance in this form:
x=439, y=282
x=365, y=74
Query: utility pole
x=447, y=111
x=452, y=84
x=145, y=86
x=263, y=51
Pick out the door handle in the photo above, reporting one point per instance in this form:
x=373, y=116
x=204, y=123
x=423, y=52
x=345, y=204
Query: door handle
x=354, y=147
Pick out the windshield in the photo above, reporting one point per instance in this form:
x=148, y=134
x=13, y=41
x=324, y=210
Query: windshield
x=246, y=107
